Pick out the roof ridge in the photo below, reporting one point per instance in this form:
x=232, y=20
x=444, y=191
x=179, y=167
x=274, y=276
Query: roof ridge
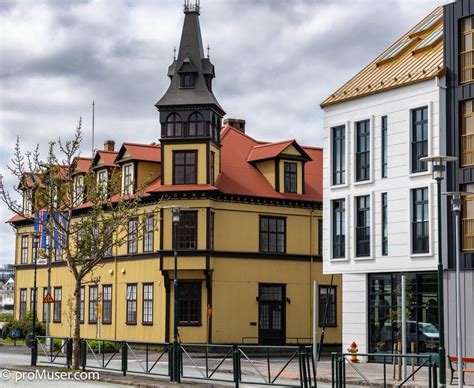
x=142, y=145
x=230, y=127
x=275, y=143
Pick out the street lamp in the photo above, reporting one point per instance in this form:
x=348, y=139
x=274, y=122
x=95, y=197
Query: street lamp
x=175, y=217
x=456, y=205
x=438, y=170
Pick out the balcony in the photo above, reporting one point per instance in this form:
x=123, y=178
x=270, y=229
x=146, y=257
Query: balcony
x=468, y=234
x=467, y=150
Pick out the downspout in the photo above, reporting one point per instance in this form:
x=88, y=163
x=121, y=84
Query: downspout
x=310, y=265
x=115, y=292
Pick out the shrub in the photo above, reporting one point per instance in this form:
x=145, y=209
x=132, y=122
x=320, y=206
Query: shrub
x=105, y=346
x=23, y=325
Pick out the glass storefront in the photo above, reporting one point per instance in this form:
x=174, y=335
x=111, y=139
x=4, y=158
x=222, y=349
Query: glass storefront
x=385, y=300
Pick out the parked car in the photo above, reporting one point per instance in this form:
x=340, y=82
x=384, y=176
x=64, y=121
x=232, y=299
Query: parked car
x=427, y=336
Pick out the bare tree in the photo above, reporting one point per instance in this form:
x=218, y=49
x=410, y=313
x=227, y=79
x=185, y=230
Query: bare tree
x=86, y=224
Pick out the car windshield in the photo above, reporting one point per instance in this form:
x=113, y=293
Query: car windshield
x=429, y=328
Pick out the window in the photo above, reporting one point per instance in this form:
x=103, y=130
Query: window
x=196, y=125
x=419, y=139
x=467, y=50
x=78, y=190
x=35, y=247
x=107, y=304
x=27, y=205
x=384, y=225
x=384, y=146
x=420, y=223
x=186, y=231
x=189, y=312
x=24, y=249
x=272, y=234
x=45, y=305
x=290, y=170
x=338, y=228
x=174, y=125
x=148, y=230
x=211, y=229
x=363, y=150
x=132, y=239
x=58, y=254
x=212, y=166
x=102, y=181
x=22, y=302
x=33, y=299
x=320, y=237
x=187, y=80
x=338, y=155
x=327, y=306
x=363, y=226
x=93, y=300
x=184, y=167
x=132, y=304
x=81, y=305
x=467, y=137
x=148, y=303
x=57, y=304
x=127, y=179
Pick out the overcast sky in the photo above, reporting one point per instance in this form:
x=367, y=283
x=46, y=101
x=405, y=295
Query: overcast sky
x=275, y=61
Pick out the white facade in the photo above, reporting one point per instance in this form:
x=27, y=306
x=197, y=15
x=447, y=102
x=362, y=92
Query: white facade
x=397, y=104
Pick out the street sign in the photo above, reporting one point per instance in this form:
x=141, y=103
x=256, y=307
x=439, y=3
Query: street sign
x=15, y=334
x=48, y=298
x=41, y=261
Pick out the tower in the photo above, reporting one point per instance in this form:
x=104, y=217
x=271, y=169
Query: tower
x=190, y=115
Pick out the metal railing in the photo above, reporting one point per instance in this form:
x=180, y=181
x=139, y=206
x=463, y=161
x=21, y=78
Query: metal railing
x=263, y=365
x=340, y=360
x=53, y=350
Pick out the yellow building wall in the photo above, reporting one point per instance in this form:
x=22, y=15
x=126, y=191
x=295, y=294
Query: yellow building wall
x=147, y=172
x=168, y=161
x=267, y=168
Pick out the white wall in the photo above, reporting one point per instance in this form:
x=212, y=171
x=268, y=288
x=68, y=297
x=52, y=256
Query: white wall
x=397, y=105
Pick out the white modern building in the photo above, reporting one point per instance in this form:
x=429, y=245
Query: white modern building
x=380, y=203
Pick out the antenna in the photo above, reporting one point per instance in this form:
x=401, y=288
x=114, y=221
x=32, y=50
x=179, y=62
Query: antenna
x=93, y=125
x=208, y=50
x=174, y=53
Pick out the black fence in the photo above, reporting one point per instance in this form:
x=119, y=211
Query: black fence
x=291, y=366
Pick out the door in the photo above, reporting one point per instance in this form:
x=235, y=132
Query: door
x=271, y=307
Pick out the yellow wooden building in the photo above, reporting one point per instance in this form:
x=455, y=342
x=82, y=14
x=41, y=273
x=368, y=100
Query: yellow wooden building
x=249, y=236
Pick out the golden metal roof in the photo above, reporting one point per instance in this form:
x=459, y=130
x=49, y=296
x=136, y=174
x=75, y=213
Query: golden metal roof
x=403, y=63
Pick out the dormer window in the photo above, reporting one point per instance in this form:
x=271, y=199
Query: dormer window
x=27, y=204
x=102, y=181
x=174, y=125
x=291, y=177
x=127, y=179
x=78, y=190
x=187, y=80
x=196, y=125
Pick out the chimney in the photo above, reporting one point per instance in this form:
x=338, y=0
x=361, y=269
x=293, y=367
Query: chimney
x=109, y=145
x=236, y=123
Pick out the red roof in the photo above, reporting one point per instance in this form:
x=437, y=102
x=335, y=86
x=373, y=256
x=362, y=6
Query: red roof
x=143, y=152
x=107, y=156
x=268, y=151
x=238, y=176
x=83, y=164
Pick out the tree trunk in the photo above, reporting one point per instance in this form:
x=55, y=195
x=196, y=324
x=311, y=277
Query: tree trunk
x=76, y=343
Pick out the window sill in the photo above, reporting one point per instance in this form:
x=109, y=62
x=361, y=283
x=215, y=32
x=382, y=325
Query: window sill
x=424, y=254
x=341, y=186
x=339, y=259
x=361, y=183
x=147, y=323
x=328, y=325
x=131, y=323
x=363, y=258
x=420, y=173
x=92, y=322
x=106, y=323
x=55, y=321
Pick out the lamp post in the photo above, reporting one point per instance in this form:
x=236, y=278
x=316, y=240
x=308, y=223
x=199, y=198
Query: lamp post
x=176, y=215
x=34, y=348
x=456, y=205
x=438, y=170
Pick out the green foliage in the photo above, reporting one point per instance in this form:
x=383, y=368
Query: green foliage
x=105, y=346
x=23, y=325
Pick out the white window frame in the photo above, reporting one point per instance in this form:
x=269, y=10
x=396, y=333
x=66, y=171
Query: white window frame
x=78, y=197
x=429, y=105
x=371, y=119
x=100, y=182
x=331, y=224
x=347, y=134
x=430, y=220
x=372, y=226
x=129, y=189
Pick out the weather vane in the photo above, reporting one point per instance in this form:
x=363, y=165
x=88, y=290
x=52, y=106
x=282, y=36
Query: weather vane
x=208, y=50
x=174, y=53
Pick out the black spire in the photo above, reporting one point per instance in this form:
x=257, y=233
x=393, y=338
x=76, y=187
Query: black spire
x=191, y=73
